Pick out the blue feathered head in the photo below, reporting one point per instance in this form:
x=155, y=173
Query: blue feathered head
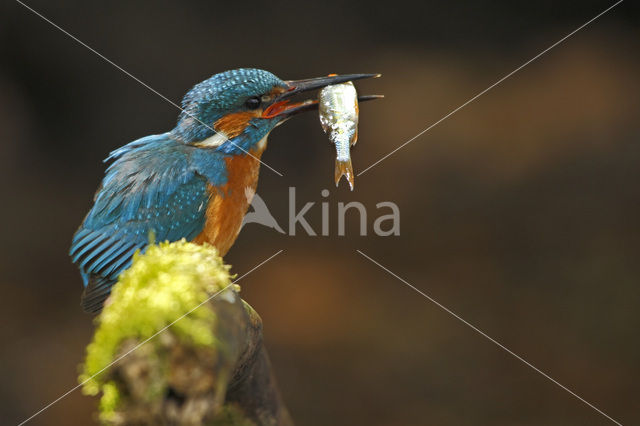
x=243, y=91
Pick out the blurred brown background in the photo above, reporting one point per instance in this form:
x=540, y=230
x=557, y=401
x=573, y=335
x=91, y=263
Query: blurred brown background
x=520, y=212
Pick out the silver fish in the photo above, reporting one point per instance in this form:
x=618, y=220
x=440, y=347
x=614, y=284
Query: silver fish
x=338, y=107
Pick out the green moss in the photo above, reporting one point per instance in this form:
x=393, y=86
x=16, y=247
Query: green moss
x=109, y=401
x=170, y=281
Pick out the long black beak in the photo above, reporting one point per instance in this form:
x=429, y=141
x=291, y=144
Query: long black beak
x=299, y=86
x=284, y=108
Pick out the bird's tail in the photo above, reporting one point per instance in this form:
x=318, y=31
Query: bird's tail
x=96, y=292
x=344, y=168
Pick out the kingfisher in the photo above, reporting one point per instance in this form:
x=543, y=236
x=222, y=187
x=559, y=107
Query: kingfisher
x=190, y=182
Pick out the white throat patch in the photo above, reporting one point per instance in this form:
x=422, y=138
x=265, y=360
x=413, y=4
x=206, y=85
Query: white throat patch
x=214, y=141
x=262, y=143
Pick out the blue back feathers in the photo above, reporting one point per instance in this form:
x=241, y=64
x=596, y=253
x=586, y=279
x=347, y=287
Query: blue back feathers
x=154, y=185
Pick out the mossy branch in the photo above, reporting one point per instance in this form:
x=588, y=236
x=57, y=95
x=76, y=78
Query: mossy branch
x=204, y=362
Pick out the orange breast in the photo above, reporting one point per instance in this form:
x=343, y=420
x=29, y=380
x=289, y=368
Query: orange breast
x=228, y=204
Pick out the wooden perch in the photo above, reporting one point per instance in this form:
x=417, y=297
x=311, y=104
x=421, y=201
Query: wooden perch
x=209, y=368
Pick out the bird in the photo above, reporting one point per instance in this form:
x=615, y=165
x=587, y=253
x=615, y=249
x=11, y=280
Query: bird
x=190, y=182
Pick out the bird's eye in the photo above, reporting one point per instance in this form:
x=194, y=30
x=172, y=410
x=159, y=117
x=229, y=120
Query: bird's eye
x=253, y=102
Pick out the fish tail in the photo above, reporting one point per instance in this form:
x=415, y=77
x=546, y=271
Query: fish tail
x=344, y=168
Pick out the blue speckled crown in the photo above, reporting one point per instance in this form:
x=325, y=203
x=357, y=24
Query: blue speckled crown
x=219, y=95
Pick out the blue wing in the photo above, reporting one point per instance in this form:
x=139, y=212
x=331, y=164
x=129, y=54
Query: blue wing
x=150, y=188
